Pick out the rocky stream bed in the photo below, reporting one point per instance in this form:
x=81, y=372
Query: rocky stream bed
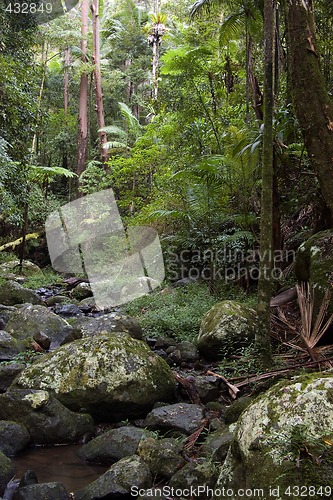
x=152, y=412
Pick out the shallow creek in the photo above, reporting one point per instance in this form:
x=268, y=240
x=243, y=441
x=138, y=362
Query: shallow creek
x=58, y=463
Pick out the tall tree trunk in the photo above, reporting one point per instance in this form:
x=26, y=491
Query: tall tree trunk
x=262, y=338
x=98, y=81
x=44, y=61
x=66, y=80
x=154, y=40
x=83, y=102
x=312, y=103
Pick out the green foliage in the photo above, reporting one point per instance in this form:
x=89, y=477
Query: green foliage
x=25, y=358
x=48, y=277
x=175, y=313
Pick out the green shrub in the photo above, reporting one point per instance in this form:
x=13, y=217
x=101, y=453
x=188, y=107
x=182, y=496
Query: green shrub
x=175, y=312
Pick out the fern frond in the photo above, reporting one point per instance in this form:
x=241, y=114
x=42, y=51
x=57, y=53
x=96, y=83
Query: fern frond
x=114, y=130
x=115, y=145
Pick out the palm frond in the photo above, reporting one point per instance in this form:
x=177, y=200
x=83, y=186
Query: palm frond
x=311, y=334
x=232, y=27
x=132, y=122
x=203, y=6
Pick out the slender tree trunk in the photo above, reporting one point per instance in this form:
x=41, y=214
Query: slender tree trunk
x=262, y=339
x=40, y=97
x=155, y=67
x=98, y=81
x=312, y=103
x=66, y=80
x=24, y=231
x=83, y=102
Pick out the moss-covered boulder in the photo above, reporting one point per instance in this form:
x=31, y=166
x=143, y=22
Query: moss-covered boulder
x=163, y=456
x=7, y=471
x=284, y=438
x=227, y=326
x=12, y=268
x=217, y=444
x=45, y=418
x=108, y=323
x=9, y=346
x=12, y=293
x=314, y=263
x=200, y=473
x=13, y=437
x=110, y=376
x=123, y=480
x=82, y=291
x=30, y=321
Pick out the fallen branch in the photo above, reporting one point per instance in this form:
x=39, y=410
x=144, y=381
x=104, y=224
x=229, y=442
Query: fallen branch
x=193, y=438
x=16, y=243
x=247, y=379
x=232, y=389
x=189, y=388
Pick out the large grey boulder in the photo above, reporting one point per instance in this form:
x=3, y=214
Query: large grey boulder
x=111, y=376
x=30, y=321
x=283, y=438
x=123, y=478
x=13, y=437
x=181, y=417
x=7, y=471
x=108, y=323
x=45, y=418
x=228, y=325
x=12, y=293
x=8, y=372
x=9, y=346
x=113, y=445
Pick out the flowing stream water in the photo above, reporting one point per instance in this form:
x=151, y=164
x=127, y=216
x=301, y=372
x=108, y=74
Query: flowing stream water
x=58, y=463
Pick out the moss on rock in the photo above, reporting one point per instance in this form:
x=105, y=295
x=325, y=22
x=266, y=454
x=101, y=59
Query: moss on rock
x=110, y=376
x=228, y=325
x=314, y=263
x=33, y=320
x=280, y=435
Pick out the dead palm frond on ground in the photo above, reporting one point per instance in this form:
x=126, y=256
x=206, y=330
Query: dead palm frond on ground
x=312, y=329
x=301, y=330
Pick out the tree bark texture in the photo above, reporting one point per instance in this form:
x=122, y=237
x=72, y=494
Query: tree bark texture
x=66, y=80
x=262, y=338
x=98, y=82
x=83, y=101
x=312, y=103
